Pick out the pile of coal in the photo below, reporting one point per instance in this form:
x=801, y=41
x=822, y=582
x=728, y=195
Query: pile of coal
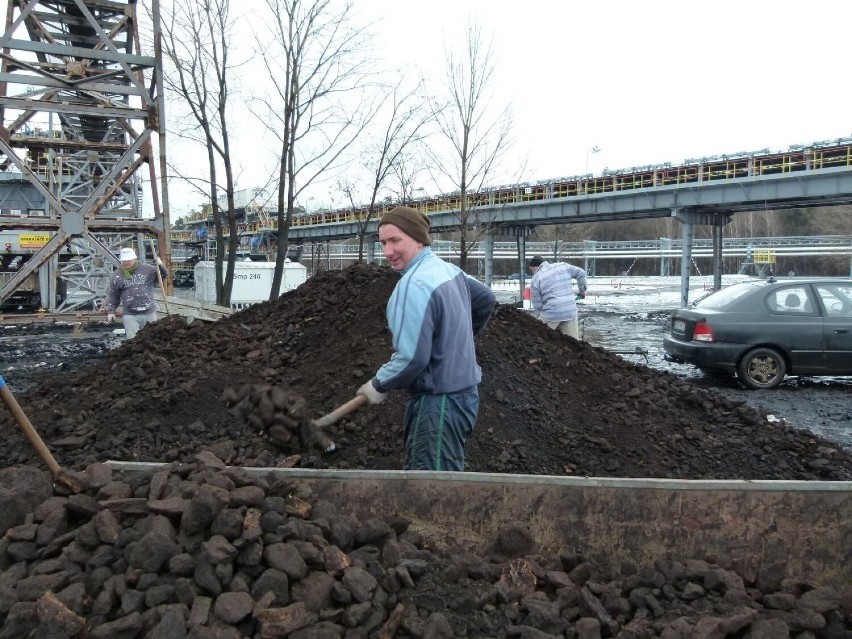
x=549, y=404
x=202, y=550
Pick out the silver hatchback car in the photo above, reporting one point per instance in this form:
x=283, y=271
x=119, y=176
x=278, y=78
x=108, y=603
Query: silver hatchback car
x=766, y=329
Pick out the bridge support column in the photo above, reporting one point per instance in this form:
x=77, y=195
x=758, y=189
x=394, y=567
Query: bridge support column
x=489, y=257
x=717, y=257
x=371, y=250
x=689, y=218
x=665, y=260
x=47, y=284
x=520, y=234
x=687, y=233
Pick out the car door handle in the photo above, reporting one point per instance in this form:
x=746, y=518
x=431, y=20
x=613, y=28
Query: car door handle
x=840, y=331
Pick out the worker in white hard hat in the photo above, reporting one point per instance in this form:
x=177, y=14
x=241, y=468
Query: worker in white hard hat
x=132, y=287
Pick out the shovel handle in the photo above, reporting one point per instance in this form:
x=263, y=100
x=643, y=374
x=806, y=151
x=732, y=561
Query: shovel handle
x=160, y=278
x=341, y=411
x=27, y=427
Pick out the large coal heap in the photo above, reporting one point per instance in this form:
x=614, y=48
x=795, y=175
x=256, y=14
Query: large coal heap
x=549, y=404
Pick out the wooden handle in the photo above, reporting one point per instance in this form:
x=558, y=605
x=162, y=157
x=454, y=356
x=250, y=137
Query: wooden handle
x=27, y=427
x=341, y=411
x=160, y=278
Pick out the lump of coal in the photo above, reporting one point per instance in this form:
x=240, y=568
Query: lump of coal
x=273, y=411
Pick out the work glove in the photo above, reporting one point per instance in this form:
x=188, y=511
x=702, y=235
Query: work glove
x=580, y=296
x=110, y=317
x=369, y=391
x=158, y=261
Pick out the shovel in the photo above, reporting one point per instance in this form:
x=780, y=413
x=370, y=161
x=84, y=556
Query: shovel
x=314, y=430
x=35, y=439
x=160, y=279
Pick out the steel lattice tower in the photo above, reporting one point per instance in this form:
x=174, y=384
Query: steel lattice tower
x=79, y=109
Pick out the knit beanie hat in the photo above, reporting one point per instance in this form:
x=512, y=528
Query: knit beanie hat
x=536, y=261
x=411, y=221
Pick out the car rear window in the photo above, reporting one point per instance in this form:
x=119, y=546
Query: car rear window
x=721, y=298
x=791, y=299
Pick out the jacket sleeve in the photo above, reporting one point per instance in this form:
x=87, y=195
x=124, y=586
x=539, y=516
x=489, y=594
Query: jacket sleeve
x=482, y=302
x=113, y=296
x=410, y=317
x=535, y=293
x=163, y=271
x=579, y=275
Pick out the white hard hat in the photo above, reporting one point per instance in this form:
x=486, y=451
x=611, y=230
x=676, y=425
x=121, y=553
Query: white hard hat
x=127, y=254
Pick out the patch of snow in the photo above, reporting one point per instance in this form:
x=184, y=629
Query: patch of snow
x=628, y=292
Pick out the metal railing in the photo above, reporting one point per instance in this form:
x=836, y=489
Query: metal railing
x=833, y=245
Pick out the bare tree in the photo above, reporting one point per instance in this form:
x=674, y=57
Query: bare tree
x=665, y=227
x=832, y=220
x=478, y=135
x=404, y=126
x=406, y=171
x=752, y=224
x=195, y=36
x=318, y=59
x=560, y=234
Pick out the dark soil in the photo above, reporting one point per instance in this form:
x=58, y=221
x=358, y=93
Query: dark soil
x=549, y=404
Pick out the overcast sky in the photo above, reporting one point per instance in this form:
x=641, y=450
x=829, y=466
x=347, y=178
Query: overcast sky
x=646, y=82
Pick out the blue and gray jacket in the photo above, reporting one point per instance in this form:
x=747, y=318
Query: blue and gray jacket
x=433, y=313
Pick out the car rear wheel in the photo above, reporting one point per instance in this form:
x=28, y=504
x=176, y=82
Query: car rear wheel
x=761, y=368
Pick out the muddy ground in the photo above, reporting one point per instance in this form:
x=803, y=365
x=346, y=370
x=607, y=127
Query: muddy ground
x=818, y=404
x=549, y=405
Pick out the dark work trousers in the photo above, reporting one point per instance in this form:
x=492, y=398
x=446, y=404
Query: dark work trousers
x=436, y=429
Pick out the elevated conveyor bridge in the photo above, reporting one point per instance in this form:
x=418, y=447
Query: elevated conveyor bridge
x=818, y=174
x=714, y=188
x=706, y=191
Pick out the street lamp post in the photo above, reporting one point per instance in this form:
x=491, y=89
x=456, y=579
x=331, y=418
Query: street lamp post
x=592, y=149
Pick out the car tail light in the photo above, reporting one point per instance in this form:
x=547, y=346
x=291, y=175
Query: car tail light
x=703, y=333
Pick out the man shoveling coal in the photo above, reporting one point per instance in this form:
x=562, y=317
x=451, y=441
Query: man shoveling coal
x=434, y=312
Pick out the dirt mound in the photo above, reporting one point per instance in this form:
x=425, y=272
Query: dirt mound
x=549, y=404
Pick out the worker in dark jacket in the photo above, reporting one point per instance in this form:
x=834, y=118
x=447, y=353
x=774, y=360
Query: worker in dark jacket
x=433, y=314
x=132, y=287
